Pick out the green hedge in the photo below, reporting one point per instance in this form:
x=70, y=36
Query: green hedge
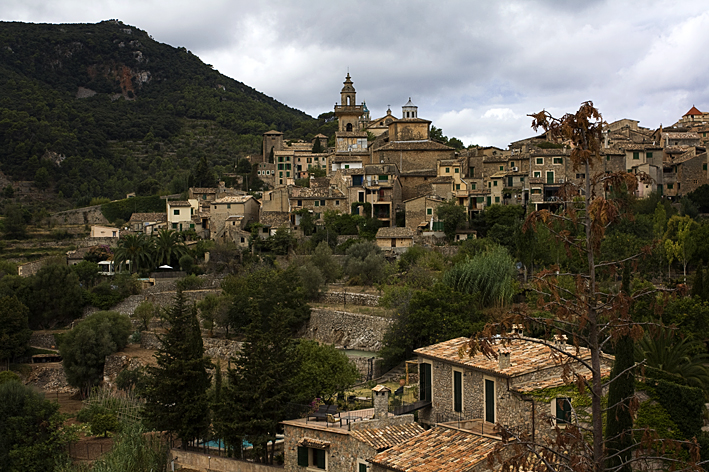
x=123, y=209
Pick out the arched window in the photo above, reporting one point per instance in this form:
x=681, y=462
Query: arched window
x=348, y=100
x=349, y=126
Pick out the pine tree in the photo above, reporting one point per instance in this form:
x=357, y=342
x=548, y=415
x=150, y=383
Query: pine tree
x=698, y=289
x=621, y=391
x=177, y=399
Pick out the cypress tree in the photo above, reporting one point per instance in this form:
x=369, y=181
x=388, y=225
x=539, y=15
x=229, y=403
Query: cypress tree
x=261, y=384
x=177, y=399
x=698, y=289
x=317, y=146
x=619, y=420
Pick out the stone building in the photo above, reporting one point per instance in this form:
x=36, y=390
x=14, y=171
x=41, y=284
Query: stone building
x=348, y=441
x=486, y=391
x=272, y=142
x=420, y=213
x=395, y=239
x=350, y=138
x=242, y=209
x=147, y=223
x=179, y=214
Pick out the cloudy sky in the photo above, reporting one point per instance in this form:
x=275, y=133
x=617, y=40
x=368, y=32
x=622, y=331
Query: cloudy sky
x=475, y=68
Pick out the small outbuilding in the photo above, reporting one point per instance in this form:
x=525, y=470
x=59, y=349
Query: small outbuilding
x=392, y=238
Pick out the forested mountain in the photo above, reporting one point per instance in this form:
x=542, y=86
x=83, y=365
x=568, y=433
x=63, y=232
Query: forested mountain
x=93, y=110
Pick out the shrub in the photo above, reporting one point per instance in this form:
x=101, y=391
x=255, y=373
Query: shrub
x=103, y=423
x=191, y=282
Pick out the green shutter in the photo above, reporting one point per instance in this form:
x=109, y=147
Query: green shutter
x=489, y=401
x=363, y=468
x=302, y=456
x=457, y=392
x=425, y=382
x=319, y=456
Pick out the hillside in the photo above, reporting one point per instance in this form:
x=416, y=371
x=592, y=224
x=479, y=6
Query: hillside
x=93, y=110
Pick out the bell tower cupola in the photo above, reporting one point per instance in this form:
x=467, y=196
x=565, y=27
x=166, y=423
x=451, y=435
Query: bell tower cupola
x=409, y=110
x=348, y=94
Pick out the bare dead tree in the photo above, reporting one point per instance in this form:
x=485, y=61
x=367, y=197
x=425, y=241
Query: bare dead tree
x=590, y=316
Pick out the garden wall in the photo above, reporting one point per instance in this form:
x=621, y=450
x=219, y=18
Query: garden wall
x=347, y=330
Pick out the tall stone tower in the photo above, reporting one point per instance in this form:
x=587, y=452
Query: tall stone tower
x=272, y=140
x=349, y=136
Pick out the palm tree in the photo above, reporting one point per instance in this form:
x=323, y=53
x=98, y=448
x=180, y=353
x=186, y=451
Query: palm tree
x=682, y=358
x=136, y=248
x=169, y=246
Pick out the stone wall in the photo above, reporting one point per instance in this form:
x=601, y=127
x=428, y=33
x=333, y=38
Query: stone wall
x=362, y=364
x=223, y=349
x=80, y=216
x=349, y=330
x=161, y=299
x=31, y=268
x=350, y=298
x=210, y=463
x=43, y=340
x=50, y=378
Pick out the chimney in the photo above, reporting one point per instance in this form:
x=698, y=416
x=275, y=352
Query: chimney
x=517, y=330
x=504, y=358
x=380, y=397
x=560, y=341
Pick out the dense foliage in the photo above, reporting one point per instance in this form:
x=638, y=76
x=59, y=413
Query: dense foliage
x=157, y=110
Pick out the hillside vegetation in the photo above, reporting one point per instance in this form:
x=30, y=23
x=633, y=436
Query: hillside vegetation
x=93, y=110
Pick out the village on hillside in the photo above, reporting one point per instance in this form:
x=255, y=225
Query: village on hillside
x=430, y=335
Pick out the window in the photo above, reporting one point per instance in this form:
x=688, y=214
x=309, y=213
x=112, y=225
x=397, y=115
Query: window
x=489, y=185
x=228, y=206
x=310, y=160
x=580, y=176
x=429, y=211
x=670, y=186
x=287, y=166
x=537, y=174
x=311, y=457
x=563, y=410
x=287, y=174
x=636, y=155
x=494, y=183
x=287, y=159
x=457, y=391
x=175, y=212
x=448, y=170
x=280, y=166
x=384, y=177
x=558, y=160
x=704, y=167
x=191, y=225
x=317, y=203
x=300, y=202
x=648, y=155
x=174, y=226
x=473, y=186
x=608, y=158
x=502, y=167
x=472, y=172
x=497, y=199
x=457, y=186
x=512, y=163
x=347, y=166
x=521, y=179
x=337, y=203
x=540, y=161
x=425, y=382
x=489, y=400
x=322, y=203
x=536, y=191
x=280, y=158
x=479, y=199
x=456, y=170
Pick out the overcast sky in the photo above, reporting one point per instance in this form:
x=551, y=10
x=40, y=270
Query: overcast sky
x=475, y=68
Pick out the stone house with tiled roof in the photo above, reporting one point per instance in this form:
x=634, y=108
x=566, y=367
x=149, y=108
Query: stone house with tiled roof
x=488, y=391
x=147, y=222
x=347, y=441
x=180, y=213
x=395, y=239
x=245, y=207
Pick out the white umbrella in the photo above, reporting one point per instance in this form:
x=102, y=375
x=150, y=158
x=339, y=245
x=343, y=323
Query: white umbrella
x=165, y=267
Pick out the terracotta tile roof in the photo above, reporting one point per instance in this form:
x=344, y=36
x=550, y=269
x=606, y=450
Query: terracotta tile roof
x=316, y=192
x=681, y=135
x=341, y=159
x=273, y=131
x=550, y=152
x=403, y=232
x=676, y=149
x=435, y=450
x=384, y=438
x=203, y=190
x=312, y=442
x=179, y=203
x=419, y=173
x=140, y=217
x=442, y=180
x=532, y=385
x=420, y=145
x=693, y=111
x=525, y=356
x=233, y=199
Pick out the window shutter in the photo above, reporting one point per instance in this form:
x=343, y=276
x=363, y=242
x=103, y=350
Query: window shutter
x=362, y=468
x=302, y=456
x=319, y=458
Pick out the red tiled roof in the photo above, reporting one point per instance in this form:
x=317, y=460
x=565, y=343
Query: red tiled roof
x=383, y=438
x=693, y=111
x=437, y=449
x=525, y=356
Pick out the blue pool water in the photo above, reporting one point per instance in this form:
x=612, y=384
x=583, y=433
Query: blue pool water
x=219, y=444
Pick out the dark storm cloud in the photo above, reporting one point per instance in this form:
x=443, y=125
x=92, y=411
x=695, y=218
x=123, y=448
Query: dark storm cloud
x=474, y=68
